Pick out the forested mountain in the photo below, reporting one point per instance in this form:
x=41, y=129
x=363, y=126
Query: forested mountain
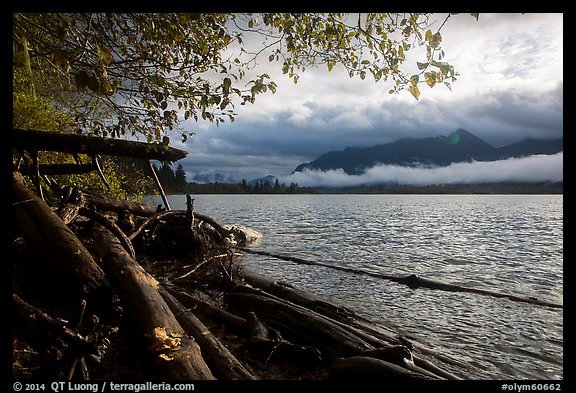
x=459, y=146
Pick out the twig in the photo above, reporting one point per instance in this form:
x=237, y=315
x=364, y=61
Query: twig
x=201, y=264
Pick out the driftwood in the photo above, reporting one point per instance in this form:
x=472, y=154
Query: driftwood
x=52, y=239
x=412, y=280
x=24, y=313
x=363, y=367
x=217, y=356
x=72, y=203
x=222, y=232
x=119, y=206
x=370, y=333
x=305, y=326
x=75, y=143
x=295, y=295
x=176, y=355
x=210, y=312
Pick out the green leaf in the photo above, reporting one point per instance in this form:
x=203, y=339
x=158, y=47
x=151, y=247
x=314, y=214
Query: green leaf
x=330, y=66
x=414, y=79
x=422, y=66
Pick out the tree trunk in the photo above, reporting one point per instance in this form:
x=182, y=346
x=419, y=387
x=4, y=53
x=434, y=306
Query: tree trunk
x=47, y=234
x=212, y=313
x=217, y=355
x=176, y=356
x=74, y=143
x=363, y=367
x=305, y=326
x=295, y=295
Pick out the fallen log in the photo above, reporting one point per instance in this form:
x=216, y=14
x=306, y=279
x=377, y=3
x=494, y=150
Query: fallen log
x=222, y=232
x=306, y=326
x=210, y=312
x=365, y=330
x=413, y=281
x=259, y=339
x=119, y=206
x=47, y=234
x=175, y=355
x=217, y=356
x=29, y=317
x=72, y=204
x=112, y=227
x=363, y=367
x=402, y=356
x=296, y=295
x=76, y=143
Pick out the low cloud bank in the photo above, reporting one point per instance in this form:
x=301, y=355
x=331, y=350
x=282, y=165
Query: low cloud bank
x=537, y=168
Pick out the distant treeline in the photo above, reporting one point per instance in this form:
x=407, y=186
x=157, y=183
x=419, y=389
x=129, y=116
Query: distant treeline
x=480, y=188
x=174, y=182
x=243, y=187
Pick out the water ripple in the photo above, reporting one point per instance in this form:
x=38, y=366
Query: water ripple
x=505, y=243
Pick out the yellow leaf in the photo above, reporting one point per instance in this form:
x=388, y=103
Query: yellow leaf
x=415, y=91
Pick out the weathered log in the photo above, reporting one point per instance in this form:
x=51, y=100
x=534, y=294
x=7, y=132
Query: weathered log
x=112, y=227
x=43, y=323
x=301, y=323
x=118, y=205
x=201, y=217
x=176, y=356
x=75, y=143
x=363, y=367
x=260, y=340
x=158, y=185
x=217, y=356
x=47, y=234
x=295, y=295
x=73, y=202
x=364, y=329
x=401, y=356
x=413, y=281
x=190, y=211
x=212, y=313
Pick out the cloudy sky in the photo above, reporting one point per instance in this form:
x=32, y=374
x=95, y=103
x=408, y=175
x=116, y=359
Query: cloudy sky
x=510, y=87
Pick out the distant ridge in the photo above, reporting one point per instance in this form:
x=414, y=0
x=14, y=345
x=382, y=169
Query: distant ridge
x=459, y=146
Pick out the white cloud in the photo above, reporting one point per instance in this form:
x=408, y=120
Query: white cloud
x=537, y=168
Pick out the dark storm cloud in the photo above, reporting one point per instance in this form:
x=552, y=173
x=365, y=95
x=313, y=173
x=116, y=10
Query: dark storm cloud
x=498, y=117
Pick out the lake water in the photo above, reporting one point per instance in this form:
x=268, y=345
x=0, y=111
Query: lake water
x=503, y=243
